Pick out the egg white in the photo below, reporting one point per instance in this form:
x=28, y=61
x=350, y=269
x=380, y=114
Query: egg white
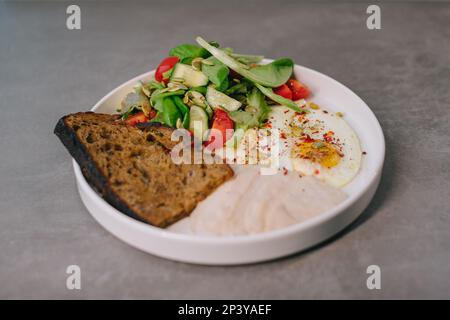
x=320, y=122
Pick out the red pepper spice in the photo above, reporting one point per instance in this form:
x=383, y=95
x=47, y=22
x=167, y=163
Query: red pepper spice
x=307, y=138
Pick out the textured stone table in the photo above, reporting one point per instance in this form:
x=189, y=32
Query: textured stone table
x=402, y=71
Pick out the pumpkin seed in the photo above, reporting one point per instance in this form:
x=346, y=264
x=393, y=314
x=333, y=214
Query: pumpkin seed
x=197, y=64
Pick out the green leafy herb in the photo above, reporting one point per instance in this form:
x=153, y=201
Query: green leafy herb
x=202, y=90
x=244, y=119
x=268, y=92
x=239, y=88
x=273, y=74
x=255, y=113
x=270, y=75
x=216, y=72
x=153, y=84
x=183, y=110
x=256, y=104
x=157, y=95
x=187, y=52
x=167, y=112
x=247, y=58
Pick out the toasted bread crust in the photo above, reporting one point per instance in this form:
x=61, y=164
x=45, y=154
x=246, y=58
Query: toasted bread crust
x=89, y=168
x=180, y=198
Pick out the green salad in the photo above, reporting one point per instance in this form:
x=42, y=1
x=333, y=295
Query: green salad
x=216, y=87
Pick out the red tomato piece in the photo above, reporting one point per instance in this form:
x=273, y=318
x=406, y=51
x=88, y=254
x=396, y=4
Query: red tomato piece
x=165, y=65
x=299, y=90
x=151, y=114
x=283, y=91
x=221, y=130
x=136, y=118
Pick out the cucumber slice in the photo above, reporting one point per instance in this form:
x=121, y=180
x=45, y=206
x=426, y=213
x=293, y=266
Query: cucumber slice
x=198, y=122
x=218, y=99
x=189, y=76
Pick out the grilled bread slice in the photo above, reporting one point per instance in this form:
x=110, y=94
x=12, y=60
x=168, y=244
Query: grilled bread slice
x=135, y=173
x=159, y=132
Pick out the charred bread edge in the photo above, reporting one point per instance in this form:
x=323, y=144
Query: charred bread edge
x=90, y=169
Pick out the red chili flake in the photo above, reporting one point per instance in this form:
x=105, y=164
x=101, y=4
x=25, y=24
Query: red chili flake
x=328, y=136
x=307, y=138
x=316, y=171
x=286, y=111
x=285, y=171
x=283, y=135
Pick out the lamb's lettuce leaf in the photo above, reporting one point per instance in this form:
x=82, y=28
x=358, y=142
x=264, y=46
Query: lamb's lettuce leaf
x=187, y=52
x=268, y=92
x=273, y=74
x=238, y=88
x=167, y=112
x=247, y=58
x=216, y=72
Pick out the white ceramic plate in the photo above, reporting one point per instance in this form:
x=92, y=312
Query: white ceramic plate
x=264, y=246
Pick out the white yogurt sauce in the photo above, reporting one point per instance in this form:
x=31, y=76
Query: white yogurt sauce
x=253, y=203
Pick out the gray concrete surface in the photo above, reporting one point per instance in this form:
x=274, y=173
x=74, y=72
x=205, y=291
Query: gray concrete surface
x=401, y=71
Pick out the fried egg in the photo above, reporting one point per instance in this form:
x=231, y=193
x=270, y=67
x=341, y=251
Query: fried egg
x=318, y=143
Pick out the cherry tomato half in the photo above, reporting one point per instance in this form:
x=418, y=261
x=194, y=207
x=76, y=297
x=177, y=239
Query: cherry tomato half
x=165, y=66
x=283, y=91
x=221, y=130
x=136, y=118
x=299, y=90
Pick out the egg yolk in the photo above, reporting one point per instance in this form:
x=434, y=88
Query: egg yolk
x=318, y=151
